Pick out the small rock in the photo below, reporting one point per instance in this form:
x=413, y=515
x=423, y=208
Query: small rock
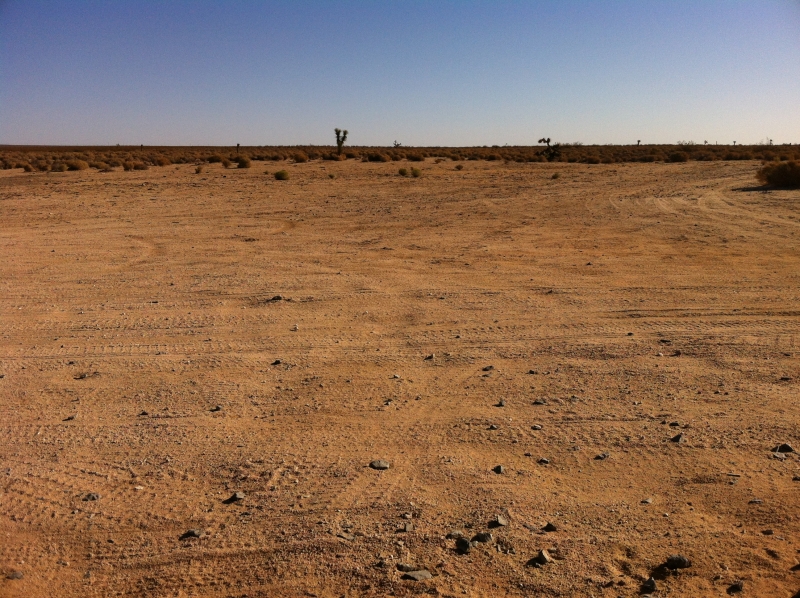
x=91, y=496
x=543, y=461
x=277, y=298
x=463, y=545
x=16, y=575
x=346, y=536
x=483, y=537
x=406, y=567
x=216, y=408
x=755, y=501
x=678, y=438
x=786, y=378
x=674, y=424
x=430, y=357
x=536, y=427
x=69, y=418
x=736, y=587
x=533, y=372
x=543, y=558
x=540, y=402
x=677, y=561
x=192, y=533
x=768, y=532
x=499, y=521
x=499, y=469
x=494, y=427
x=143, y=413
x=407, y=527
x=601, y=457
x=501, y=403
x=276, y=362
x=630, y=334
x=677, y=353
x=235, y=497
x=783, y=448
x=488, y=368
x=417, y=575
x=395, y=377
x=408, y=516
x=379, y=464
x=549, y=527
x=454, y=534
x=647, y=501
x=649, y=586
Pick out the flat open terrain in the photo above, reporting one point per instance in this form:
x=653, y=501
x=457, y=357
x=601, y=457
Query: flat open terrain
x=146, y=365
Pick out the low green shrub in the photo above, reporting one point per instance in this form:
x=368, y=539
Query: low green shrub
x=416, y=172
x=282, y=175
x=403, y=172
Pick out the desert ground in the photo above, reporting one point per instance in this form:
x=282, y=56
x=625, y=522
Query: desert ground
x=168, y=339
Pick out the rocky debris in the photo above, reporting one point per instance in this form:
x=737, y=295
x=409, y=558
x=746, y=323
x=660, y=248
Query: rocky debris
x=216, y=408
x=630, y=334
x=755, y=501
x=499, y=469
x=783, y=448
x=276, y=362
x=91, y=496
x=69, y=418
x=786, y=378
x=677, y=353
x=501, y=403
x=647, y=501
x=406, y=567
x=649, y=586
x=379, y=464
x=674, y=424
x=541, y=559
x=488, y=368
x=677, y=561
x=395, y=376
x=533, y=372
x=277, y=298
x=736, y=587
x=536, y=427
x=549, y=528
x=498, y=521
x=494, y=427
x=601, y=457
x=346, y=536
x=420, y=575
x=143, y=413
x=454, y=534
x=294, y=328
x=543, y=461
x=16, y=575
x=192, y=533
x=540, y=402
x=430, y=357
x=408, y=516
x=767, y=532
x=407, y=527
x=678, y=438
x=483, y=537
x=235, y=497
x=463, y=545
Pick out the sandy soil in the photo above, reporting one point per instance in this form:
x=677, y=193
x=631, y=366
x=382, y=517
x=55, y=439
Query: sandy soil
x=144, y=360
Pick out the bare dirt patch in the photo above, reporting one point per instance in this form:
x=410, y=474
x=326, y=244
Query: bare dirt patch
x=168, y=339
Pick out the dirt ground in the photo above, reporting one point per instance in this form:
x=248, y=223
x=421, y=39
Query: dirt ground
x=149, y=372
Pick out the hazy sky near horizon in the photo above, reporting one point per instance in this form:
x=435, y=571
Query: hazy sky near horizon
x=422, y=73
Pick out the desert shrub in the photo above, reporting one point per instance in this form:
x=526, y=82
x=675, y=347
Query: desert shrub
x=140, y=166
x=459, y=167
x=556, y=175
x=198, y=169
x=403, y=172
x=492, y=157
x=780, y=174
x=28, y=168
x=126, y=166
x=415, y=157
x=215, y=158
x=300, y=157
x=282, y=175
x=593, y=160
x=60, y=167
x=351, y=155
x=226, y=163
x=331, y=175
x=678, y=157
x=77, y=165
x=647, y=158
x=378, y=157
x=162, y=161
x=101, y=166
x=416, y=172
x=243, y=162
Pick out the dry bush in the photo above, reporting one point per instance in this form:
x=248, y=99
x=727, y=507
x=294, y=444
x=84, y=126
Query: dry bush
x=226, y=163
x=785, y=175
x=140, y=166
x=403, y=172
x=415, y=157
x=77, y=165
x=378, y=157
x=215, y=159
x=678, y=157
x=300, y=157
x=416, y=172
x=282, y=175
x=459, y=167
x=60, y=167
x=243, y=162
x=162, y=161
x=28, y=168
x=198, y=169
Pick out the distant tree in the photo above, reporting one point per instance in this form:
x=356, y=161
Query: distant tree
x=551, y=152
x=638, y=142
x=341, y=137
x=397, y=143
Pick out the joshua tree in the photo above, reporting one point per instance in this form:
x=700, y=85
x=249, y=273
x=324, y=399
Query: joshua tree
x=397, y=143
x=638, y=142
x=341, y=137
x=553, y=152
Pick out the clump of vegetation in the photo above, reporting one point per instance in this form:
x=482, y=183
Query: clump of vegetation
x=341, y=137
x=226, y=163
x=780, y=174
x=28, y=168
x=459, y=167
x=215, y=159
x=140, y=166
x=403, y=172
x=282, y=175
x=77, y=165
x=163, y=161
x=556, y=175
x=552, y=152
x=416, y=172
x=127, y=166
x=331, y=175
x=678, y=157
x=300, y=157
x=243, y=162
x=198, y=169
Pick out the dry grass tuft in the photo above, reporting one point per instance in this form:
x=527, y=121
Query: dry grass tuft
x=785, y=175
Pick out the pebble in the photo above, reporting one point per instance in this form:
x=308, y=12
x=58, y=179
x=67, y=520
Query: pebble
x=406, y=567
x=16, y=575
x=549, y=527
x=499, y=521
x=417, y=575
x=216, y=408
x=454, y=534
x=536, y=427
x=92, y=496
x=408, y=527
x=430, y=357
x=767, y=532
x=601, y=457
x=541, y=559
x=463, y=545
x=235, y=497
x=276, y=362
x=678, y=438
x=499, y=469
x=649, y=586
x=346, y=536
x=647, y=501
x=783, y=448
x=502, y=403
x=540, y=402
x=379, y=464
x=533, y=372
x=544, y=461
x=69, y=418
x=488, y=368
x=143, y=413
x=677, y=561
x=494, y=427
x=483, y=537
x=192, y=533
x=736, y=587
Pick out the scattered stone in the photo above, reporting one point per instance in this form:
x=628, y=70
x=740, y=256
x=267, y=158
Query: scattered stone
x=395, y=377
x=533, y=372
x=192, y=533
x=16, y=575
x=216, y=408
x=647, y=501
x=69, y=418
x=536, y=427
x=294, y=328
x=678, y=438
x=235, y=497
x=541, y=559
x=454, y=534
x=488, y=368
x=463, y=545
x=649, y=586
x=674, y=424
x=430, y=357
x=543, y=461
x=677, y=353
x=736, y=587
x=406, y=567
x=417, y=575
x=277, y=298
x=549, y=527
x=783, y=448
x=483, y=537
x=796, y=478
x=786, y=378
x=677, y=561
x=498, y=521
x=755, y=501
x=529, y=454
x=494, y=427
x=276, y=362
x=346, y=536
x=601, y=457
x=408, y=516
x=767, y=532
x=379, y=464
x=407, y=527
x=91, y=496
x=501, y=403
x=499, y=469
x=540, y=402
x=630, y=334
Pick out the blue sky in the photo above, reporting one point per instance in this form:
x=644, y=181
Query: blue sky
x=422, y=73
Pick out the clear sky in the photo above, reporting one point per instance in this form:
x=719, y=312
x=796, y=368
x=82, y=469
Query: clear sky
x=422, y=73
